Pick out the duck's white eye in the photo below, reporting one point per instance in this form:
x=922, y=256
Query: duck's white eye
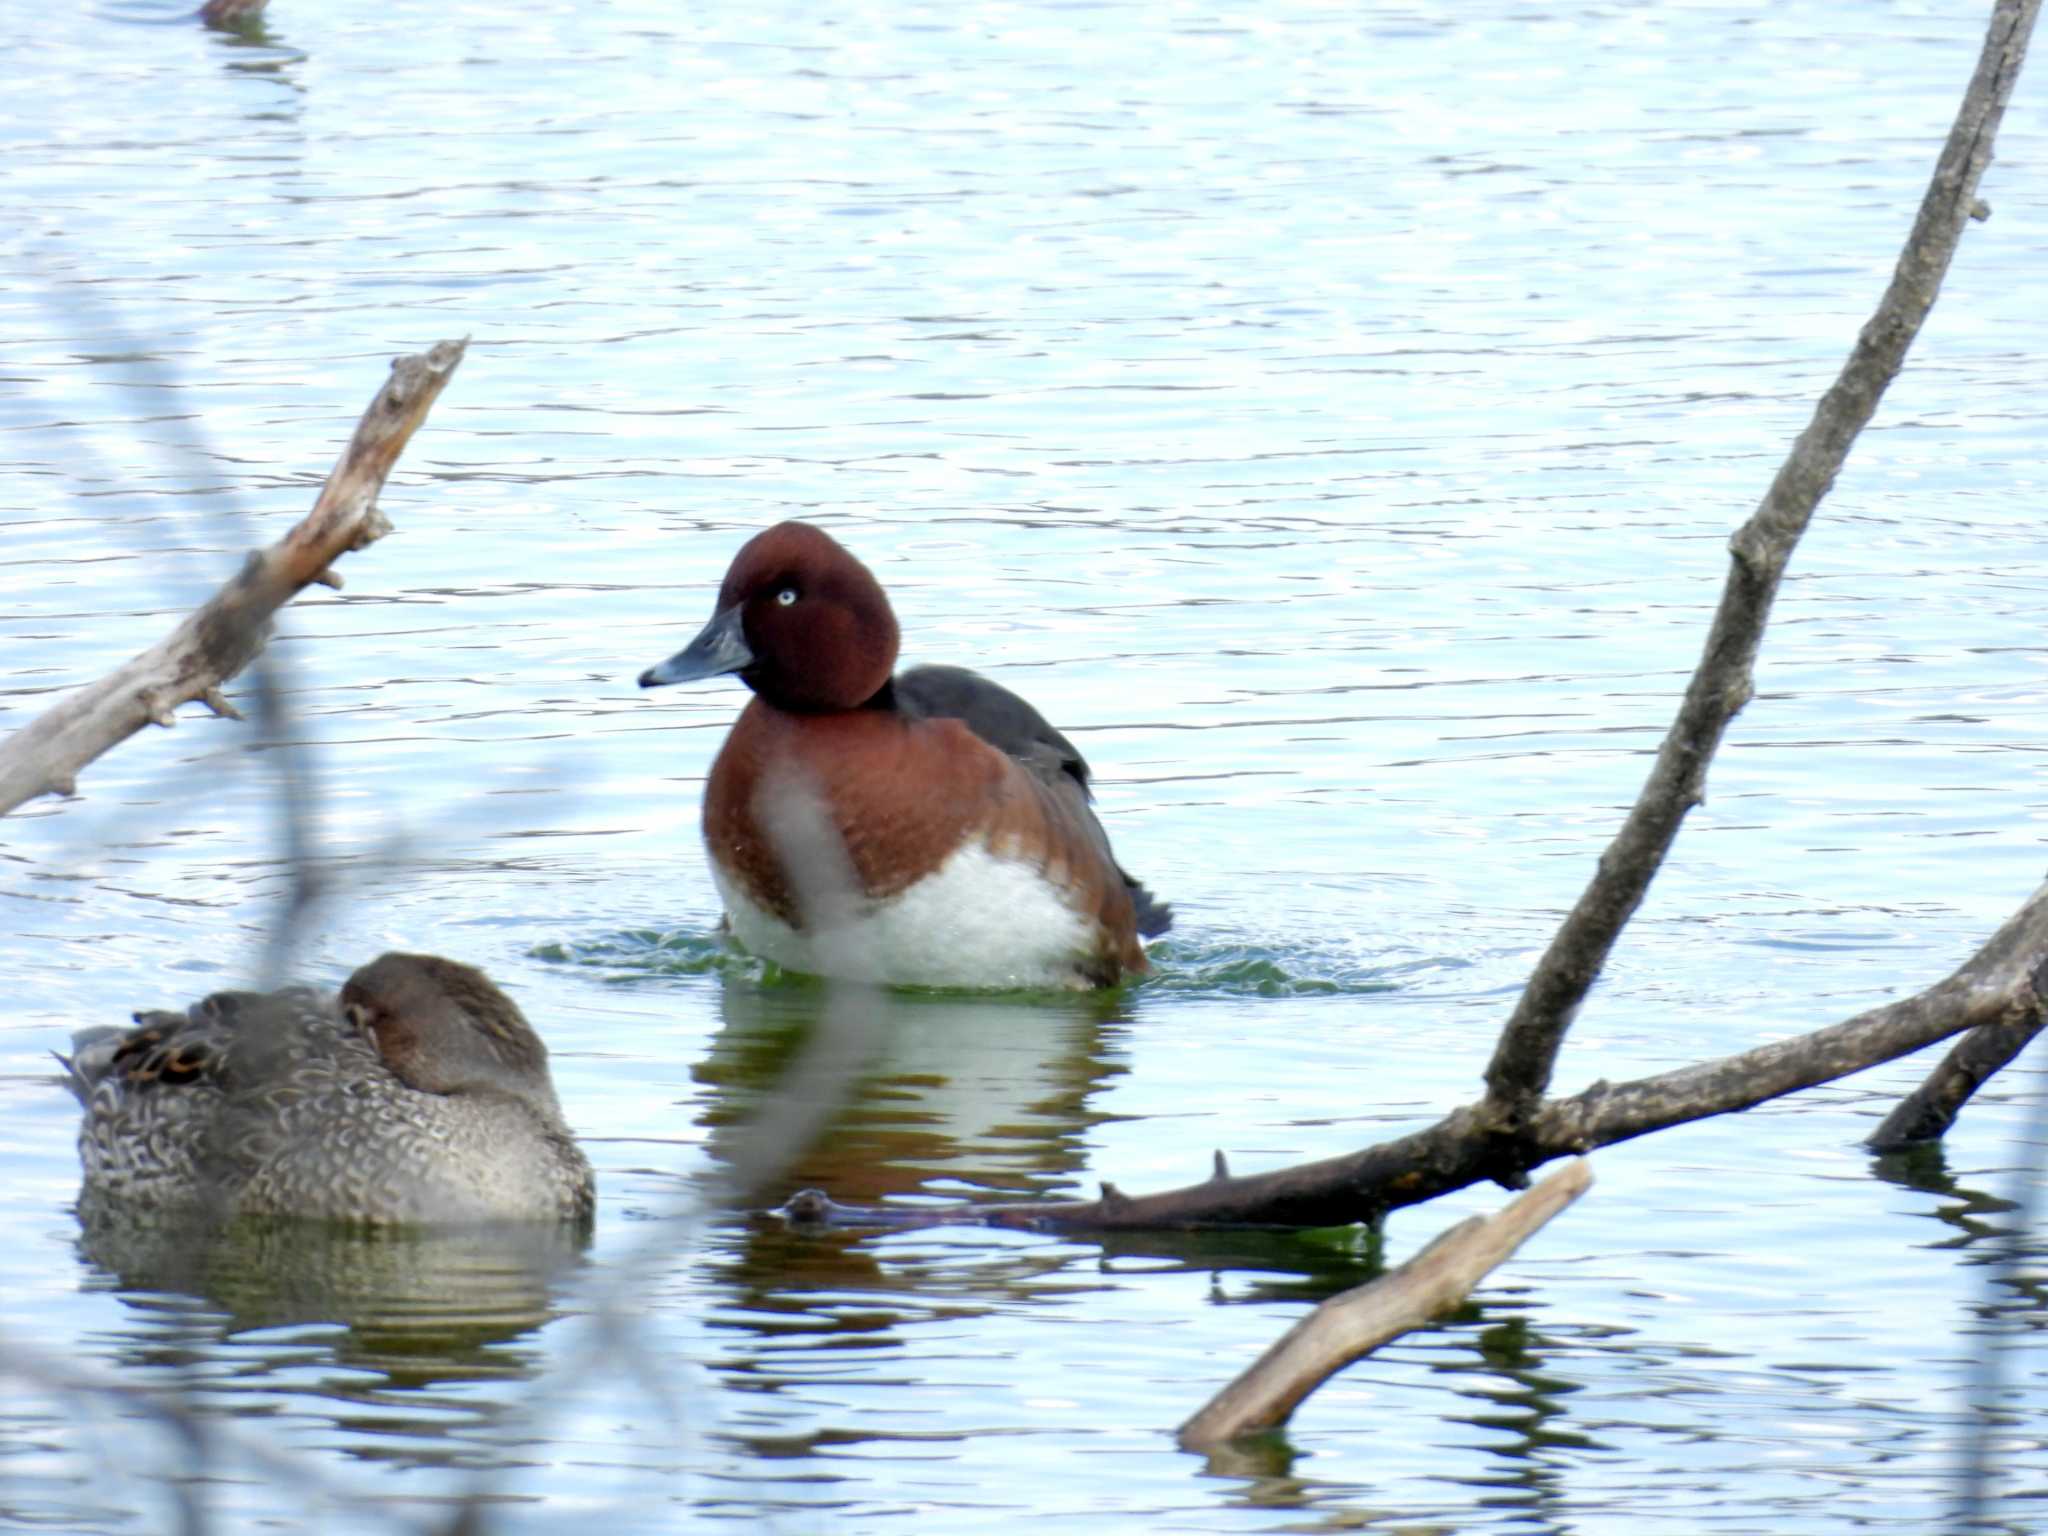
x=786, y=596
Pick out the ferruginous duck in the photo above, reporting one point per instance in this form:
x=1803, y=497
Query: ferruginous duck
x=925, y=828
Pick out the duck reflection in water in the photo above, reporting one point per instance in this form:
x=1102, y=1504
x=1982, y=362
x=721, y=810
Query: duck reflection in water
x=957, y=1098
x=880, y=1097
x=893, y=1093
x=420, y=1306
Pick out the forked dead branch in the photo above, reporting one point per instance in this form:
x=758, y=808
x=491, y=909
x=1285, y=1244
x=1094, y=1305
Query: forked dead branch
x=215, y=642
x=1998, y=996
x=1998, y=992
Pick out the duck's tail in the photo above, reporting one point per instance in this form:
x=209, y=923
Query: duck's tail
x=1154, y=916
x=92, y=1055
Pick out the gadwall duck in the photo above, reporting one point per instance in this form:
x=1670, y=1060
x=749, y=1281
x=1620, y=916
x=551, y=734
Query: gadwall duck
x=419, y=1095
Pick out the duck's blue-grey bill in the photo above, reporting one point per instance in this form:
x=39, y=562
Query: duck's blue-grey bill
x=721, y=647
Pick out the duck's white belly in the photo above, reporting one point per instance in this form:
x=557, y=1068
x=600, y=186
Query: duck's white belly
x=978, y=921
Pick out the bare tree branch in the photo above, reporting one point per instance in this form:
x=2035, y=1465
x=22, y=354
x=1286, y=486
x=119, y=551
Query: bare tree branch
x=1349, y=1326
x=1527, y=1051
x=217, y=640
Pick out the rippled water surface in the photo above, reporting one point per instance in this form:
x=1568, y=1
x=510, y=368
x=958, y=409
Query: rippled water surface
x=1333, y=417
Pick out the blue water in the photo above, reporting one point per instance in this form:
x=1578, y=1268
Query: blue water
x=1333, y=418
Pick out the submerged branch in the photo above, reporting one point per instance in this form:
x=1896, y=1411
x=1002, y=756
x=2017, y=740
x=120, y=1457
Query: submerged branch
x=1928, y=1111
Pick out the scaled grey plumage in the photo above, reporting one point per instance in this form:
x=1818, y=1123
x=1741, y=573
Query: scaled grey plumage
x=418, y=1095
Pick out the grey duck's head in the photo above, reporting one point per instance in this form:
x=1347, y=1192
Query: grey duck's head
x=444, y=1027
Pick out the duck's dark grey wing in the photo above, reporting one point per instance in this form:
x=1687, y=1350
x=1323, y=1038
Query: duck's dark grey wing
x=1009, y=724
x=993, y=713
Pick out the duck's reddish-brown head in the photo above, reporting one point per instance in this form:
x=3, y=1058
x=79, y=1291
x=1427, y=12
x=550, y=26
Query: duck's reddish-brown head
x=803, y=623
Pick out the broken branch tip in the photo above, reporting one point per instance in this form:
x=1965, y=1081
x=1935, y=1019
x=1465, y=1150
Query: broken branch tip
x=217, y=701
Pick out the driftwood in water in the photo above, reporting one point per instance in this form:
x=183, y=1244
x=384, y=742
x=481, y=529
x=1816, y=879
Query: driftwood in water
x=215, y=642
x=1350, y=1326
